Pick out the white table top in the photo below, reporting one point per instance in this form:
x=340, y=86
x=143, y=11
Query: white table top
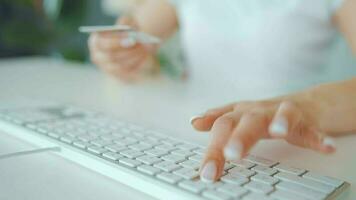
x=161, y=104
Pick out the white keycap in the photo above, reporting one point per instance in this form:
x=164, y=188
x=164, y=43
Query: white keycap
x=156, y=152
x=87, y=138
x=257, y=196
x=101, y=143
x=305, y=182
x=140, y=147
x=264, y=170
x=323, y=179
x=197, y=158
x=228, y=166
x=131, y=153
x=244, y=163
x=169, y=178
x=147, y=169
x=68, y=139
x=263, y=178
x=192, y=186
x=190, y=164
x=242, y=171
x=171, y=141
x=200, y=151
x=112, y=156
x=130, y=162
x=284, y=195
x=215, y=195
x=234, y=179
x=166, y=147
x=181, y=152
x=300, y=190
x=289, y=169
x=81, y=144
x=56, y=135
x=185, y=146
x=233, y=190
x=150, y=141
x=116, y=148
x=167, y=166
x=174, y=158
x=149, y=160
x=259, y=187
x=96, y=150
x=126, y=141
x=260, y=161
x=186, y=173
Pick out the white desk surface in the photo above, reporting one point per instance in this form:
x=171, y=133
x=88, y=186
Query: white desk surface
x=161, y=104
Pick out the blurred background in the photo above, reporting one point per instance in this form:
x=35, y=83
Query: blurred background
x=49, y=27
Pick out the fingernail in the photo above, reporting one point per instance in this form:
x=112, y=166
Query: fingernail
x=209, y=172
x=192, y=119
x=128, y=42
x=233, y=150
x=329, y=142
x=279, y=127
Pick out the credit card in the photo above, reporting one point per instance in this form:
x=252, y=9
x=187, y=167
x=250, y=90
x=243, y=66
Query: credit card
x=92, y=29
x=140, y=37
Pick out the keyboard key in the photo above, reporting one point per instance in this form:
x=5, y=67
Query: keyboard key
x=300, y=190
x=263, y=178
x=112, y=156
x=289, y=169
x=200, y=151
x=171, y=141
x=234, y=179
x=244, y=163
x=148, y=160
x=129, y=162
x=192, y=186
x=260, y=161
x=233, y=190
x=96, y=150
x=242, y=171
x=197, y=158
x=305, y=182
x=101, y=143
x=180, y=152
x=169, y=178
x=68, y=139
x=264, y=170
x=259, y=187
x=167, y=166
x=216, y=195
x=156, y=152
x=147, y=169
x=323, y=179
x=186, y=146
x=87, y=138
x=186, y=173
x=257, y=196
x=126, y=141
x=190, y=164
x=166, y=147
x=81, y=144
x=228, y=166
x=140, y=147
x=174, y=158
x=131, y=153
x=284, y=195
x=115, y=147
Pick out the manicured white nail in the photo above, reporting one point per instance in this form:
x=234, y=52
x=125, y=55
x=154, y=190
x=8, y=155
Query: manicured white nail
x=209, y=172
x=279, y=127
x=329, y=142
x=233, y=150
x=128, y=42
x=192, y=119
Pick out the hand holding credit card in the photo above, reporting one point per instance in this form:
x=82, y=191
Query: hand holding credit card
x=133, y=36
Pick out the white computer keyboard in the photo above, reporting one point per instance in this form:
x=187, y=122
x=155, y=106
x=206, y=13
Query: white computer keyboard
x=163, y=167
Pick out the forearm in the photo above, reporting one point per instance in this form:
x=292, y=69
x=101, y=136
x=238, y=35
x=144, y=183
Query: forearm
x=157, y=17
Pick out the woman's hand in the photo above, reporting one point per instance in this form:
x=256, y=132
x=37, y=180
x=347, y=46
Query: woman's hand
x=120, y=55
x=237, y=127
